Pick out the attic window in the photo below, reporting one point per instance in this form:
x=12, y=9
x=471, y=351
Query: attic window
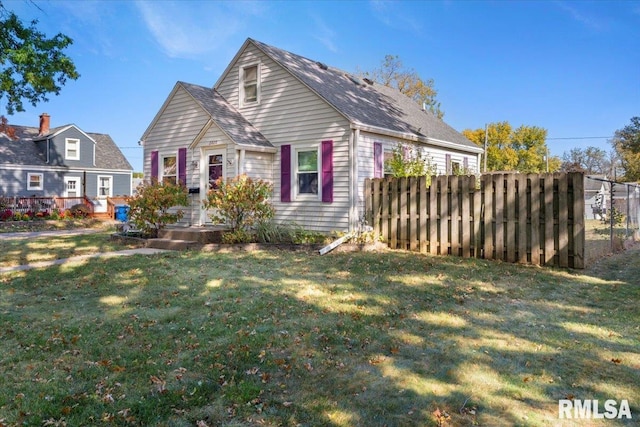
x=72, y=149
x=250, y=84
x=322, y=65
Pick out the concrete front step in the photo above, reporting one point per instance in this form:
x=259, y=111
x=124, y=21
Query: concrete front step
x=172, y=244
x=199, y=235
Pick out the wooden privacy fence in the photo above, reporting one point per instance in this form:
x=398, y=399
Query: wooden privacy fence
x=524, y=218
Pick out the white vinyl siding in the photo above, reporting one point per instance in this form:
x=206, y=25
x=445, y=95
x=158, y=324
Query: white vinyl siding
x=436, y=154
x=290, y=113
x=180, y=122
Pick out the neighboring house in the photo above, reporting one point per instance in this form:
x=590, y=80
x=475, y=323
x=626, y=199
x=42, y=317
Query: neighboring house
x=312, y=130
x=64, y=161
x=597, y=196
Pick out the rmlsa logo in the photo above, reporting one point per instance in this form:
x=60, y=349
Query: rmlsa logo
x=585, y=409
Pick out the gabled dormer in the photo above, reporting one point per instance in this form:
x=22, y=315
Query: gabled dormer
x=65, y=145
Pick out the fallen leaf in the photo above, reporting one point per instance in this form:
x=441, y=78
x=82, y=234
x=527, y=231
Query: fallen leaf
x=616, y=361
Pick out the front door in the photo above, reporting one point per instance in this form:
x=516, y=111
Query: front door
x=71, y=186
x=213, y=167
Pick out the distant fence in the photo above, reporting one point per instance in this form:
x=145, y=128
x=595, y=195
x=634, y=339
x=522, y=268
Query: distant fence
x=523, y=218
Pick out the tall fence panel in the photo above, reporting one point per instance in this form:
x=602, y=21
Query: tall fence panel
x=523, y=218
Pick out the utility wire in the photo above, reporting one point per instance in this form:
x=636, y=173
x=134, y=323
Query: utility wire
x=582, y=137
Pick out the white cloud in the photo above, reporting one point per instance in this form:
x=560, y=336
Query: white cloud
x=390, y=14
x=193, y=29
x=324, y=34
x=579, y=16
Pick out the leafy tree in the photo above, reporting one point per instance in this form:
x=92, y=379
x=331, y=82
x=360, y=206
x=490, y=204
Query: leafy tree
x=590, y=160
x=407, y=161
x=393, y=74
x=240, y=203
x=153, y=207
x=523, y=149
x=31, y=65
x=626, y=143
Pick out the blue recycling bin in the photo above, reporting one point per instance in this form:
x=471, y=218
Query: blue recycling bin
x=122, y=213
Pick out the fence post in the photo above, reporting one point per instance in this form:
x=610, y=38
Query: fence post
x=498, y=188
x=454, y=224
x=563, y=219
x=433, y=216
x=523, y=209
x=534, y=180
x=578, y=218
x=422, y=213
x=414, y=199
x=548, y=220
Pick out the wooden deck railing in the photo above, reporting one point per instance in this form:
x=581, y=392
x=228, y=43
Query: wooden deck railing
x=24, y=205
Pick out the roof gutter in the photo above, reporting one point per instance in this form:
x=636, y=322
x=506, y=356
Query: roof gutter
x=414, y=137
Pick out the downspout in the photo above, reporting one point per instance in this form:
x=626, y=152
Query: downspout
x=353, y=179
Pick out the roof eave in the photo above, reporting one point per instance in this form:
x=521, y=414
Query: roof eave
x=415, y=138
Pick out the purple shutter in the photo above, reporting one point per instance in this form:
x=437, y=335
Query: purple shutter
x=285, y=173
x=182, y=166
x=465, y=165
x=378, y=160
x=327, y=171
x=405, y=152
x=447, y=159
x=154, y=166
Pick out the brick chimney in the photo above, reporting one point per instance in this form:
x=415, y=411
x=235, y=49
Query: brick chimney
x=45, y=123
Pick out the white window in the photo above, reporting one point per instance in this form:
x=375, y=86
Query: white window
x=34, y=181
x=388, y=156
x=456, y=168
x=105, y=187
x=170, y=169
x=307, y=168
x=250, y=84
x=72, y=149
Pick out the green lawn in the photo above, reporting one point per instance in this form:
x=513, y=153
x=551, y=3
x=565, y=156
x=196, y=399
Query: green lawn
x=292, y=338
x=28, y=251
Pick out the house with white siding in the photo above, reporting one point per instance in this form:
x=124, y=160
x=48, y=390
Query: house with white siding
x=312, y=130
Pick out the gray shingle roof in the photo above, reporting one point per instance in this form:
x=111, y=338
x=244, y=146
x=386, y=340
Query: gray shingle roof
x=108, y=155
x=22, y=151
x=226, y=116
x=364, y=103
x=29, y=149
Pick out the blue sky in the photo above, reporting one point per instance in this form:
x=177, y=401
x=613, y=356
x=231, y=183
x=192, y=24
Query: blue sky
x=571, y=67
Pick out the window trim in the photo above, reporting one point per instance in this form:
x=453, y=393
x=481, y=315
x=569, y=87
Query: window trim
x=243, y=101
x=40, y=187
x=295, y=172
x=110, y=178
x=162, y=175
x=386, y=171
x=66, y=148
